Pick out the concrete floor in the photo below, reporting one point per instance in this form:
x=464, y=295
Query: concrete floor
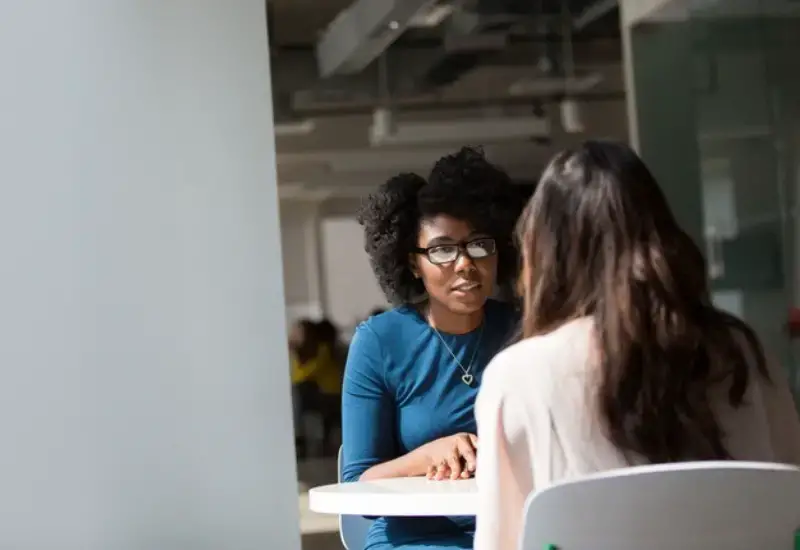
x=319, y=532
x=322, y=541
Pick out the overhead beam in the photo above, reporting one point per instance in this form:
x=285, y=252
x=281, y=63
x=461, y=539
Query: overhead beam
x=431, y=103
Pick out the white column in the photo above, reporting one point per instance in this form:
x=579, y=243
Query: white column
x=144, y=399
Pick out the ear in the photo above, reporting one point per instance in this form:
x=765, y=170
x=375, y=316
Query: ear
x=413, y=266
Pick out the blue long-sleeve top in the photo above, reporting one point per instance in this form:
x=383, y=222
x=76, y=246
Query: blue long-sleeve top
x=402, y=389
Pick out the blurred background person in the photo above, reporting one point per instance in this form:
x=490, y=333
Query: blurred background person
x=331, y=356
x=303, y=354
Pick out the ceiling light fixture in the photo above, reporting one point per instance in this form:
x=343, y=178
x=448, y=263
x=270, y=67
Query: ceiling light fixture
x=571, y=119
x=480, y=129
x=295, y=128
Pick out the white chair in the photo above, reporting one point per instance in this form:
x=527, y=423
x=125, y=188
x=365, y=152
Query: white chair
x=352, y=529
x=687, y=506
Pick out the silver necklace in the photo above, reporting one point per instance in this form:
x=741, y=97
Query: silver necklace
x=467, y=377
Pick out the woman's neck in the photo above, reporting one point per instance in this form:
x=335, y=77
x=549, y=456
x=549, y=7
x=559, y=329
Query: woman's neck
x=444, y=320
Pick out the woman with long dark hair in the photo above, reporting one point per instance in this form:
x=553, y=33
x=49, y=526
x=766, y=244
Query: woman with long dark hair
x=623, y=359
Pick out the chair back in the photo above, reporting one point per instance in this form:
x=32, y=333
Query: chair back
x=352, y=529
x=691, y=506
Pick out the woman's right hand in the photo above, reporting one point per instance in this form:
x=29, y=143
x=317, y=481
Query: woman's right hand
x=451, y=457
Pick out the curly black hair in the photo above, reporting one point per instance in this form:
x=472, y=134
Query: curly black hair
x=464, y=185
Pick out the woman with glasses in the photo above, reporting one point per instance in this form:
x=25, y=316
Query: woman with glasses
x=439, y=249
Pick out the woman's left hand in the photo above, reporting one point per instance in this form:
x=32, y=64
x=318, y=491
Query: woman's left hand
x=439, y=473
x=458, y=462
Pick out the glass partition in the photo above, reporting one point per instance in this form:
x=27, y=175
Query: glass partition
x=717, y=95
x=745, y=82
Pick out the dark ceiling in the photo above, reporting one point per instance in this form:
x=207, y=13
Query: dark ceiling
x=421, y=61
x=296, y=24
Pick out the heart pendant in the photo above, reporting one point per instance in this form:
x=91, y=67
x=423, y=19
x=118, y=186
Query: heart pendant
x=467, y=378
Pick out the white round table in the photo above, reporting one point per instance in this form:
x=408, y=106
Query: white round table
x=412, y=496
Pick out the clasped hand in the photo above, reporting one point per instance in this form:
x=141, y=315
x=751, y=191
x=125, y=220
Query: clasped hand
x=451, y=457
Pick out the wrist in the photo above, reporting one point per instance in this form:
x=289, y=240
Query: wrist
x=417, y=461
x=411, y=464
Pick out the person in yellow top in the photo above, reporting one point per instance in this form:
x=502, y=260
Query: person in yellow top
x=331, y=357
x=302, y=351
x=317, y=368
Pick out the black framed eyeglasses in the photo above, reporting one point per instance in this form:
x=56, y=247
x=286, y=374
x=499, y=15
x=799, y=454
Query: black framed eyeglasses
x=476, y=249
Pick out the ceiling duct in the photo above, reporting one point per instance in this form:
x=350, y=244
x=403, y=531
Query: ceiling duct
x=431, y=16
x=384, y=131
x=470, y=38
x=364, y=30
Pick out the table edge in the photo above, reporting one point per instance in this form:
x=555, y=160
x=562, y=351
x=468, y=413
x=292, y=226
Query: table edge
x=393, y=504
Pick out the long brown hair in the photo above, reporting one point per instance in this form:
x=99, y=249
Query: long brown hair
x=598, y=239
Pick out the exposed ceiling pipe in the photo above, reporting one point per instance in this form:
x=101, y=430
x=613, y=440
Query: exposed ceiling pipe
x=436, y=103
